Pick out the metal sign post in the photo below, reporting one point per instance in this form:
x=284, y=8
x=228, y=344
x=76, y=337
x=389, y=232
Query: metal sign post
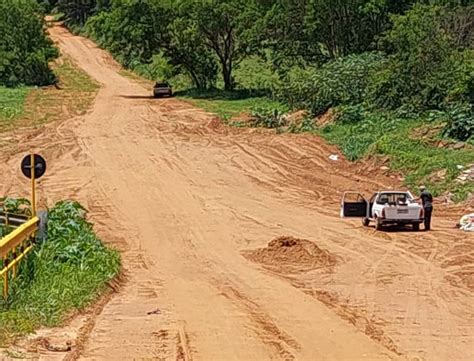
x=33, y=186
x=33, y=166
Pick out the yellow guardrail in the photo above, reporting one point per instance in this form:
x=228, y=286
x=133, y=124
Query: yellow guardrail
x=18, y=243
x=14, y=247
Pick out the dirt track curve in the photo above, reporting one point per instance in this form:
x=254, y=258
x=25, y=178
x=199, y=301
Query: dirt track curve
x=185, y=199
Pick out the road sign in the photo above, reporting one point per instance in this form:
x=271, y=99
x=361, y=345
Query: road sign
x=33, y=166
x=39, y=164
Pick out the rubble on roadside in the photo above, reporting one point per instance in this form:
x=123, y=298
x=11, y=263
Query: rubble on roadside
x=467, y=223
x=466, y=175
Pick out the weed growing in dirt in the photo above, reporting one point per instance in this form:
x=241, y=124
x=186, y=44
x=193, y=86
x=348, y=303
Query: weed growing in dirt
x=63, y=274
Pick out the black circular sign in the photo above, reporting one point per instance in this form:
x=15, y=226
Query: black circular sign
x=40, y=166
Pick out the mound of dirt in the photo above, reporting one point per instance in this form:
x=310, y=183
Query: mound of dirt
x=291, y=255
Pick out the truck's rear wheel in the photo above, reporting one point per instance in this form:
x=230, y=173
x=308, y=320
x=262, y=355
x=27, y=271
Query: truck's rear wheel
x=416, y=227
x=365, y=222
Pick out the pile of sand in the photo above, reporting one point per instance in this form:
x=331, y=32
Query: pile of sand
x=291, y=255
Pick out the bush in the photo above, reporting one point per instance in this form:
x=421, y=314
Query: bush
x=426, y=68
x=350, y=114
x=63, y=273
x=340, y=82
x=25, y=51
x=269, y=118
x=460, y=122
x=306, y=125
x=253, y=73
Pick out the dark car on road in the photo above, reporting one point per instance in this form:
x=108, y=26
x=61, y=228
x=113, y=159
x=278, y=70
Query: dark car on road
x=162, y=89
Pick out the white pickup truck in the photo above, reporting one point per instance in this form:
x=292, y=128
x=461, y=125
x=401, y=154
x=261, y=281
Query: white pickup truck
x=383, y=208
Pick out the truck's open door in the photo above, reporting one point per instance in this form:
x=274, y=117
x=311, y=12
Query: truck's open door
x=353, y=205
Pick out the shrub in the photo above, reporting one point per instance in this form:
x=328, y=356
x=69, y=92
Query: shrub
x=254, y=73
x=269, y=118
x=340, y=82
x=426, y=69
x=350, y=114
x=306, y=125
x=460, y=122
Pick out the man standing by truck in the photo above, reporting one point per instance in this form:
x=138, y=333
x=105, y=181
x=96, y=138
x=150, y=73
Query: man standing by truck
x=427, y=201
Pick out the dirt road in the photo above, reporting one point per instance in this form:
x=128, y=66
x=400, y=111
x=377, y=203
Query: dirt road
x=183, y=198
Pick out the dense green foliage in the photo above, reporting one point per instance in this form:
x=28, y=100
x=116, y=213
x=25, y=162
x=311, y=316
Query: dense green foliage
x=64, y=273
x=426, y=67
x=24, y=48
x=341, y=81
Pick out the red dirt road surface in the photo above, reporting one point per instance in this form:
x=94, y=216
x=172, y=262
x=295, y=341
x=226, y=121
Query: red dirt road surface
x=192, y=206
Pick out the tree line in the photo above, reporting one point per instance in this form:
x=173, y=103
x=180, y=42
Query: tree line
x=401, y=54
x=25, y=50
x=409, y=55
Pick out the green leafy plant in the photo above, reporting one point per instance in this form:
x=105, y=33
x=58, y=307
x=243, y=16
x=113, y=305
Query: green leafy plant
x=269, y=118
x=306, y=125
x=15, y=205
x=64, y=273
x=459, y=122
x=350, y=114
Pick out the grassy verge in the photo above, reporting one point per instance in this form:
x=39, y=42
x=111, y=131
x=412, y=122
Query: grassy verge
x=228, y=105
x=12, y=104
x=411, y=152
x=65, y=273
x=35, y=106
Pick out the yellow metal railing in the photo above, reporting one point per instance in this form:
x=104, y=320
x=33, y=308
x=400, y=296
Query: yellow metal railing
x=14, y=247
x=19, y=242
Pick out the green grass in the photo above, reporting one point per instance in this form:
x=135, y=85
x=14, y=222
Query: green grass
x=418, y=159
x=228, y=105
x=67, y=272
x=12, y=103
x=35, y=106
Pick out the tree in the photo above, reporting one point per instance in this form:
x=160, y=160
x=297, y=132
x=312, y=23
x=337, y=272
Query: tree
x=226, y=29
x=77, y=12
x=343, y=27
x=136, y=31
x=25, y=50
x=308, y=32
x=186, y=50
x=131, y=30
x=427, y=68
x=283, y=32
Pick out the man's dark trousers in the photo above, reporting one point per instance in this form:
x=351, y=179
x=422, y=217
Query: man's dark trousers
x=428, y=212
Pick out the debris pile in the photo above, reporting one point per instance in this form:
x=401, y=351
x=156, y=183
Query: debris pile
x=467, y=223
x=467, y=174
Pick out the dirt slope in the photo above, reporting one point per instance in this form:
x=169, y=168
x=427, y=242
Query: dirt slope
x=182, y=197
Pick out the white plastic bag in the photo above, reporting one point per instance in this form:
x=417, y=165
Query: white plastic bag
x=467, y=223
